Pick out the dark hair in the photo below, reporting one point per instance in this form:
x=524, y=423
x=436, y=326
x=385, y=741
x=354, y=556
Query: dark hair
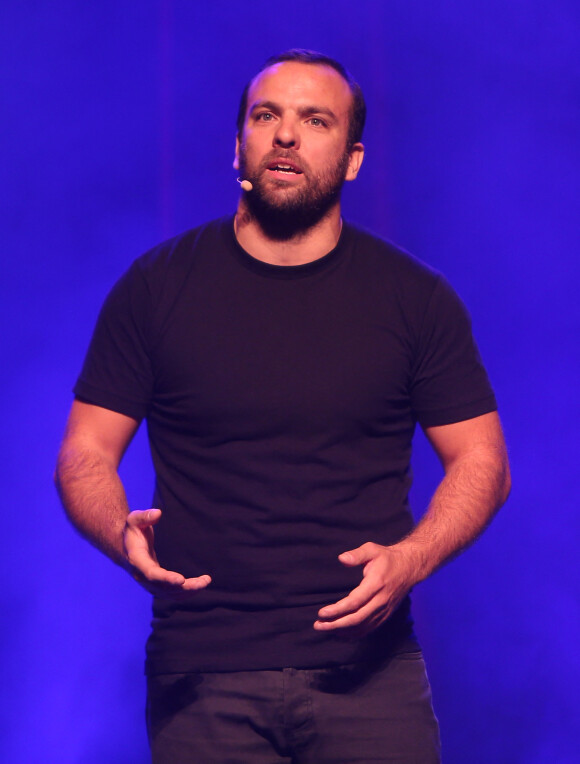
x=358, y=111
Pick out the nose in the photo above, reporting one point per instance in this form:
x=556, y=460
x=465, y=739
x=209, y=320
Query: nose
x=286, y=135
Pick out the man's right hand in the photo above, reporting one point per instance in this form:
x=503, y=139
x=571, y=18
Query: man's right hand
x=140, y=552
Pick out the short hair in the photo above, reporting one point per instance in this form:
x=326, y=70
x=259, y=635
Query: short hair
x=358, y=110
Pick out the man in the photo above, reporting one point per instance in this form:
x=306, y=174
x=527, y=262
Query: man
x=281, y=360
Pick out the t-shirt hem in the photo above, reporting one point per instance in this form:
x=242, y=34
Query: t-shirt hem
x=107, y=400
x=291, y=659
x=454, y=414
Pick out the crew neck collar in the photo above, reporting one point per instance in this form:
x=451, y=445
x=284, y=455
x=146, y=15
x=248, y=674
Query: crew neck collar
x=287, y=271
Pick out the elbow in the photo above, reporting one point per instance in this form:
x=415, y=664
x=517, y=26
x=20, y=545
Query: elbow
x=507, y=488
x=61, y=478
x=505, y=491
x=57, y=474
x=505, y=481
x=58, y=484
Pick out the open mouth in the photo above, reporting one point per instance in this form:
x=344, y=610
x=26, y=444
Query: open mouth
x=285, y=168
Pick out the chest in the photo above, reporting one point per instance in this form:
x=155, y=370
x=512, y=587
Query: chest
x=311, y=353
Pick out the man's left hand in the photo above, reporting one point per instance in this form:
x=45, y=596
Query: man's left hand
x=387, y=578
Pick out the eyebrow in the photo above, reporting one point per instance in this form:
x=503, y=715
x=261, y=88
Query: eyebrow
x=302, y=110
x=264, y=105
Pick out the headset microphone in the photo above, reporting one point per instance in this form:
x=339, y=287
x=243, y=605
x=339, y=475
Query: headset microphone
x=245, y=185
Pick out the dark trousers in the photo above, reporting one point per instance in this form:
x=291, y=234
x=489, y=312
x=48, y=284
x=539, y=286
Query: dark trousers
x=346, y=715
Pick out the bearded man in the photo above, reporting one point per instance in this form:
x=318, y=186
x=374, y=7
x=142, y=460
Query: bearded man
x=281, y=359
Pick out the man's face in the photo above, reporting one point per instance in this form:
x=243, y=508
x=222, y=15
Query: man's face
x=294, y=143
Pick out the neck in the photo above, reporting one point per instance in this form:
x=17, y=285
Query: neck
x=304, y=247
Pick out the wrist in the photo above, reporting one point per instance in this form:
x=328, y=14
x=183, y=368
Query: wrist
x=413, y=558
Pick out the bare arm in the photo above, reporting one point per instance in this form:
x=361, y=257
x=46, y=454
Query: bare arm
x=86, y=476
x=94, y=498
x=475, y=485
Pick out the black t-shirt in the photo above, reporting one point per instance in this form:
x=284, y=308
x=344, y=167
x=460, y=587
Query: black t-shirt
x=280, y=403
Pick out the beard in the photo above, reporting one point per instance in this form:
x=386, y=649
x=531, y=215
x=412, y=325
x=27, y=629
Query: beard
x=283, y=210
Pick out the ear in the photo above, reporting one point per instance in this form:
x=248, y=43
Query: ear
x=355, y=159
x=237, y=154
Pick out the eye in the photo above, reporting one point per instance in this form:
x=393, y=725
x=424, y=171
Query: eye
x=317, y=122
x=265, y=116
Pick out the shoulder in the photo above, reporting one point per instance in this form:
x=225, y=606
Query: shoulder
x=390, y=271
x=162, y=271
x=181, y=250
x=159, y=276
x=385, y=257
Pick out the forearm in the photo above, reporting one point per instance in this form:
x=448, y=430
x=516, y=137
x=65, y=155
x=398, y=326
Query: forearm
x=475, y=485
x=93, y=498
x=472, y=490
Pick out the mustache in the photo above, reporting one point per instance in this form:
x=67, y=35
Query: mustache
x=284, y=155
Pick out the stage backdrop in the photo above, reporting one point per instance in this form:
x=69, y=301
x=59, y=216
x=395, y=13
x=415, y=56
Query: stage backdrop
x=117, y=131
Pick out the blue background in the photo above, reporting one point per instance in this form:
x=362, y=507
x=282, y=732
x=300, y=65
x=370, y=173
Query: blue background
x=118, y=130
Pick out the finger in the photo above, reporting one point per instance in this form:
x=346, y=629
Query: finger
x=360, y=555
x=369, y=615
x=164, y=587
x=154, y=573
x=357, y=598
x=193, y=584
x=143, y=518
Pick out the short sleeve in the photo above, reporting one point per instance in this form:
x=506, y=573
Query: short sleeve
x=117, y=372
x=449, y=381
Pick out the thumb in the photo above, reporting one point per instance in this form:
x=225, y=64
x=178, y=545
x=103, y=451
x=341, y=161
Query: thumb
x=357, y=556
x=142, y=518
